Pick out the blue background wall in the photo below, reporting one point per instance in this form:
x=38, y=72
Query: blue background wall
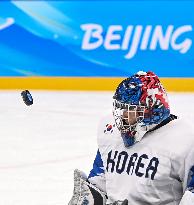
x=47, y=38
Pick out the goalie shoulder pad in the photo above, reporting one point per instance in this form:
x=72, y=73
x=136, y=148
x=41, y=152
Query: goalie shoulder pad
x=85, y=193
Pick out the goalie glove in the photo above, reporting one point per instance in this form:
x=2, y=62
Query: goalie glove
x=85, y=193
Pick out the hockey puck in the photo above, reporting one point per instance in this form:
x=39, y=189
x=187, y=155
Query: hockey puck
x=27, y=97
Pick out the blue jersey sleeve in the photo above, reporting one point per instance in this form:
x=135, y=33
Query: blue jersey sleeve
x=98, y=168
x=188, y=196
x=190, y=185
x=97, y=174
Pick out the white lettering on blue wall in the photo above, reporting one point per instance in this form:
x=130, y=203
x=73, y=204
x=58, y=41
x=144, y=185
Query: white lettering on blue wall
x=134, y=38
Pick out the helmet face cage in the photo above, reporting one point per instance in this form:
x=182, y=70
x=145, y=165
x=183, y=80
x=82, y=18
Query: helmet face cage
x=143, y=95
x=122, y=113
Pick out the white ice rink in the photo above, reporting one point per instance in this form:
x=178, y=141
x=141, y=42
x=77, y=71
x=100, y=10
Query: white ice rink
x=41, y=145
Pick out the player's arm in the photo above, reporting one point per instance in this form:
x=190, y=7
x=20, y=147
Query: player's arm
x=90, y=190
x=97, y=174
x=85, y=193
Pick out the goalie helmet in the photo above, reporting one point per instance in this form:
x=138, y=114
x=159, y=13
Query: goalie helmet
x=143, y=95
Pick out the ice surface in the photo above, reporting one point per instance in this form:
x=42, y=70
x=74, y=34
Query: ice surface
x=41, y=145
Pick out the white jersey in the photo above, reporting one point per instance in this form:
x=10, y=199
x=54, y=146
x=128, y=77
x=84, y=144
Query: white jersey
x=156, y=170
